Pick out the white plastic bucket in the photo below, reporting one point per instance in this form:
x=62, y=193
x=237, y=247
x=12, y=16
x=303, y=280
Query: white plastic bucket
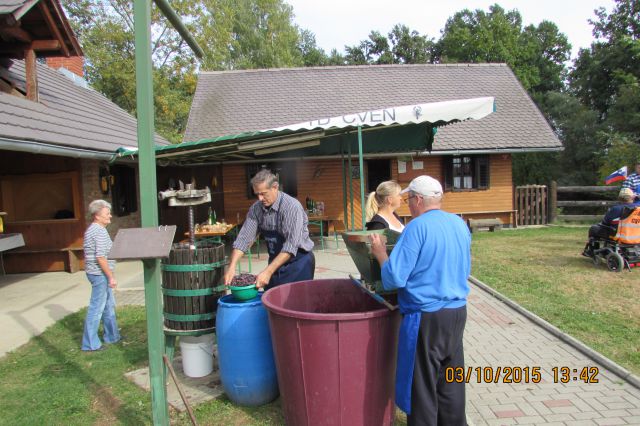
x=197, y=355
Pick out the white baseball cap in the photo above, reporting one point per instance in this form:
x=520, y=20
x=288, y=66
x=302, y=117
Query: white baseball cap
x=424, y=185
x=625, y=193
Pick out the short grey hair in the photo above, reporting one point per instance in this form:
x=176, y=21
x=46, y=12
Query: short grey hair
x=429, y=201
x=96, y=207
x=264, y=176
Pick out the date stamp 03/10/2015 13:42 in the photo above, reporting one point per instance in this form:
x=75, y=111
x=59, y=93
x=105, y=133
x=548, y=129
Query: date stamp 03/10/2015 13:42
x=510, y=374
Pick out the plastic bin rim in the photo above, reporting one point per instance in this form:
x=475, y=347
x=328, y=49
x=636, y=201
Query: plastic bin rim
x=239, y=303
x=347, y=316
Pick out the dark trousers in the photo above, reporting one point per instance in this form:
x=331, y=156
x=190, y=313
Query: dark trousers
x=601, y=231
x=433, y=400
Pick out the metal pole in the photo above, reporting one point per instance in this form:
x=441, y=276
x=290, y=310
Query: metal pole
x=350, y=182
x=361, y=161
x=344, y=185
x=171, y=15
x=149, y=207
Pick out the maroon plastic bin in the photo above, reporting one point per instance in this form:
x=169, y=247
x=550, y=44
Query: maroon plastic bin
x=335, y=351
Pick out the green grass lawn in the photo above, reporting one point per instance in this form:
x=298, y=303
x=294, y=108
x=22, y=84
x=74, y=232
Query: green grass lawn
x=542, y=270
x=49, y=381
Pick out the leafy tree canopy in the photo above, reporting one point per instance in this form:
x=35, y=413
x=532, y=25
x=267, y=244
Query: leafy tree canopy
x=606, y=78
x=234, y=35
x=537, y=54
x=611, y=66
x=400, y=46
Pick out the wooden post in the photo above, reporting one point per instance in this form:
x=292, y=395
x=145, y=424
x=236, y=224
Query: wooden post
x=534, y=204
x=527, y=200
x=543, y=205
x=553, y=201
x=31, y=75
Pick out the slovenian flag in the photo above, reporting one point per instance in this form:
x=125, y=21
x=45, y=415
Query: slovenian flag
x=618, y=175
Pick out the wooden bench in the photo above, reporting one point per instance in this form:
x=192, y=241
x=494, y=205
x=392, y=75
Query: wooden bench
x=513, y=215
x=73, y=255
x=492, y=224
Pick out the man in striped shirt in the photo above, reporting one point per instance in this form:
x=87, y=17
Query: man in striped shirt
x=633, y=181
x=283, y=223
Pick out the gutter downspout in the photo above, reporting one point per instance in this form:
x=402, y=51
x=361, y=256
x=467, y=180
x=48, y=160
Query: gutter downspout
x=48, y=149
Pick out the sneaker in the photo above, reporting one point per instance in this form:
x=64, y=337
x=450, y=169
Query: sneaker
x=101, y=348
x=122, y=338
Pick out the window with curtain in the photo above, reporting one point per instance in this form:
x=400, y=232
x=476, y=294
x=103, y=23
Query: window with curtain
x=466, y=173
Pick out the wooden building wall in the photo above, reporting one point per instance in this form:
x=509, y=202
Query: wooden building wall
x=29, y=173
x=322, y=181
x=46, y=239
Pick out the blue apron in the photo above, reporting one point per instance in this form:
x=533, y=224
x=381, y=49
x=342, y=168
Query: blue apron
x=300, y=267
x=407, y=344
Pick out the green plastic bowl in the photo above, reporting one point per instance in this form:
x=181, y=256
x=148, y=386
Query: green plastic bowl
x=243, y=293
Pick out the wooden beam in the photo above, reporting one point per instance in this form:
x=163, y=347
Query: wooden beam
x=56, y=9
x=45, y=45
x=587, y=188
x=17, y=33
x=593, y=203
x=579, y=217
x=31, y=75
x=51, y=23
x=10, y=89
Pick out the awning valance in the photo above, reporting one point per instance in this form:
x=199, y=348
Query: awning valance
x=394, y=130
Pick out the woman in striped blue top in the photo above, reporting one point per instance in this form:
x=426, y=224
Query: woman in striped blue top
x=99, y=269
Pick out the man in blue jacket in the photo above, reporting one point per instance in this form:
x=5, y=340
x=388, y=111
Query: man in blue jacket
x=429, y=266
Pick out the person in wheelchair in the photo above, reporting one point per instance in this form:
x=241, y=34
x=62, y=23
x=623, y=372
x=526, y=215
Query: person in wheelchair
x=609, y=225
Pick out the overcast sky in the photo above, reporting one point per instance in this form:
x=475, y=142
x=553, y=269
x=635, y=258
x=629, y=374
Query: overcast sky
x=339, y=22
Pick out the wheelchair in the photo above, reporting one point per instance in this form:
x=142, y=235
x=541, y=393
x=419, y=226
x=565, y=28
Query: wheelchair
x=607, y=245
x=616, y=256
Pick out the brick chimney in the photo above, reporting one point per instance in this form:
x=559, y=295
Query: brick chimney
x=75, y=64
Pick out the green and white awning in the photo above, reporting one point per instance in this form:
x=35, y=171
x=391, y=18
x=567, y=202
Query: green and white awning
x=403, y=130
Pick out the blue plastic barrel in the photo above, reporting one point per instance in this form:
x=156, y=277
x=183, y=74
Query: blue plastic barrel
x=245, y=355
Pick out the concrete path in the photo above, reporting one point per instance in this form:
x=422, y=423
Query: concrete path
x=496, y=336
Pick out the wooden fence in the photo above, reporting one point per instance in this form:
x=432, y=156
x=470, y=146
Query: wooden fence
x=531, y=203
x=554, y=203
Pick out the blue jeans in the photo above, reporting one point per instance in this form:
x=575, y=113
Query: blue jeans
x=102, y=306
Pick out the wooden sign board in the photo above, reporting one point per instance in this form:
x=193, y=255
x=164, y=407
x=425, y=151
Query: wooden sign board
x=143, y=243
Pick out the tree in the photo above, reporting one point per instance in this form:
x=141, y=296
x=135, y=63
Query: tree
x=312, y=55
x=581, y=134
x=249, y=34
x=478, y=36
x=105, y=31
x=536, y=54
x=610, y=68
x=606, y=78
x=234, y=35
x=400, y=46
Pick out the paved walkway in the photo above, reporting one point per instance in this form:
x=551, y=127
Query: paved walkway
x=496, y=336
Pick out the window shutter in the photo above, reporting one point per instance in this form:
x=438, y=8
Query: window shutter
x=447, y=167
x=483, y=176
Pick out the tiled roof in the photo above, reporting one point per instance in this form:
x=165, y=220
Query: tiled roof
x=67, y=114
x=230, y=102
x=10, y=6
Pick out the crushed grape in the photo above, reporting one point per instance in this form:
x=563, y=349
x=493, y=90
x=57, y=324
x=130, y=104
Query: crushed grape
x=242, y=280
